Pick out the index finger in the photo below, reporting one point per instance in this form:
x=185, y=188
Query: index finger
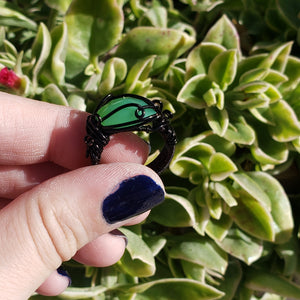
x=33, y=132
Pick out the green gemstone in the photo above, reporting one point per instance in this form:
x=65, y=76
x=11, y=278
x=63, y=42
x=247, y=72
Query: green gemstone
x=117, y=113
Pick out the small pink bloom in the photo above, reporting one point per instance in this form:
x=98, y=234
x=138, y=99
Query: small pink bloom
x=9, y=79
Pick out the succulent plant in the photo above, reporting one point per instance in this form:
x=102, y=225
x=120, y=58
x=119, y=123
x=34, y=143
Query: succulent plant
x=230, y=73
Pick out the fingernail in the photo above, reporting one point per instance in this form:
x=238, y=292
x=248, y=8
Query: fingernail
x=118, y=233
x=63, y=272
x=133, y=196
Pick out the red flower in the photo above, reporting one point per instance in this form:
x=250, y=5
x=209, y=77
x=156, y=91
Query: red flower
x=9, y=79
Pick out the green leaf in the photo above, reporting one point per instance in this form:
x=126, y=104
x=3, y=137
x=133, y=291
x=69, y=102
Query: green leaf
x=225, y=193
x=289, y=252
x=114, y=72
x=273, y=93
x=77, y=101
x=199, y=250
x=296, y=144
x=253, y=87
x=142, y=42
x=53, y=94
x=184, y=166
x=137, y=8
x=253, y=217
x=202, y=6
x=193, y=271
x=278, y=58
x=155, y=242
x=252, y=187
x=220, y=167
x=292, y=71
x=176, y=76
x=265, y=281
x=286, y=125
x=210, y=98
x=213, y=203
x=139, y=73
x=252, y=102
x=293, y=100
x=248, y=64
x=220, y=144
x=240, y=132
x=231, y=280
x=94, y=27
x=222, y=69
x=193, y=91
x=218, y=229
x=138, y=259
x=2, y=36
x=241, y=246
x=275, y=77
x=263, y=114
x=266, y=150
x=201, y=152
x=60, y=5
x=217, y=120
x=11, y=17
x=190, y=155
x=175, y=289
x=92, y=84
x=57, y=56
x=256, y=74
x=224, y=33
x=156, y=15
x=200, y=58
x=40, y=51
x=10, y=49
x=290, y=10
x=274, y=19
x=176, y=210
x=280, y=205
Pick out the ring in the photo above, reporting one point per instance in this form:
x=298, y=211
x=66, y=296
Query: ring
x=129, y=112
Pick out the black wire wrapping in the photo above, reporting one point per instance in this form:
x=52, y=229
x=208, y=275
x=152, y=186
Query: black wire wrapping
x=98, y=135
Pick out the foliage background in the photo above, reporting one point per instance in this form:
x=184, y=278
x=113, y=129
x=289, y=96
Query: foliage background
x=229, y=70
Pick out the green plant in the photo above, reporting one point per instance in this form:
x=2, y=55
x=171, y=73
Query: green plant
x=230, y=72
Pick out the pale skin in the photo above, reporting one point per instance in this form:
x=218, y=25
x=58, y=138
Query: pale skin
x=50, y=196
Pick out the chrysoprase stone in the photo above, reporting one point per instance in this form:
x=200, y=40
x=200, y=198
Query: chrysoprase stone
x=122, y=115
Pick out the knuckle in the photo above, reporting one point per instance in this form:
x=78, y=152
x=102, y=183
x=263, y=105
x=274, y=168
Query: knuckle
x=57, y=231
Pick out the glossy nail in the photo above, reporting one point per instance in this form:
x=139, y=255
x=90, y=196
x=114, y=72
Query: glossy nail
x=132, y=197
x=63, y=272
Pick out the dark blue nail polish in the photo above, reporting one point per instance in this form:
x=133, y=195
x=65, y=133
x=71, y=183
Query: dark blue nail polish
x=63, y=272
x=132, y=197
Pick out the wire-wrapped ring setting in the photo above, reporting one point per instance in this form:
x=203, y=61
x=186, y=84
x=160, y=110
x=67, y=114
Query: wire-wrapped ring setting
x=129, y=112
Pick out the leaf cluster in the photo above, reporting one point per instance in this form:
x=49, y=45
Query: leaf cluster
x=230, y=73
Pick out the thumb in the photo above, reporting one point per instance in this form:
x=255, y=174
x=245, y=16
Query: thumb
x=48, y=224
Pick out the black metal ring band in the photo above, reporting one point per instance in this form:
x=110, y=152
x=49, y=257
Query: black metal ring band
x=141, y=114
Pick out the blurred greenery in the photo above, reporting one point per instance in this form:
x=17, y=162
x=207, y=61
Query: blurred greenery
x=229, y=70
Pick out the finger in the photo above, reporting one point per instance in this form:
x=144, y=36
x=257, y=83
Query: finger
x=33, y=132
x=55, y=284
x=104, y=251
x=51, y=222
x=15, y=180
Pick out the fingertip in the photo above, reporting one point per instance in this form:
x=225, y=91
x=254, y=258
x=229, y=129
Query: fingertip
x=138, y=219
x=104, y=251
x=125, y=147
x=55, y=284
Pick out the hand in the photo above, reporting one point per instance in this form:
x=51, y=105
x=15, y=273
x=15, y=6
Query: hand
x=54, y=206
